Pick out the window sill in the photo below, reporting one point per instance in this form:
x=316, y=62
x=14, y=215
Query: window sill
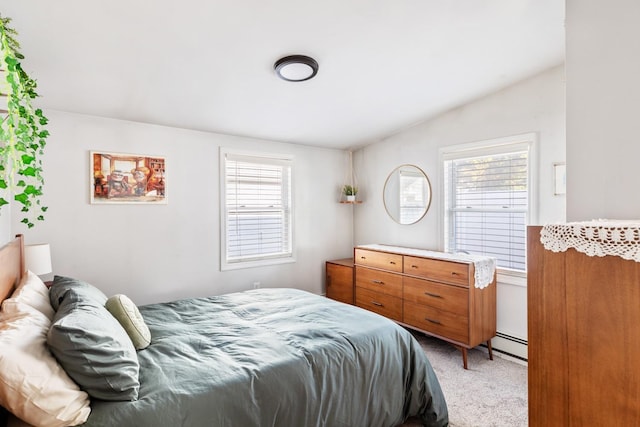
x=512, y=277
x=224, y=266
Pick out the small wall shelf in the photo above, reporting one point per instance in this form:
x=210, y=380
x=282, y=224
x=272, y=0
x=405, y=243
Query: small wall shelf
x=355, y=202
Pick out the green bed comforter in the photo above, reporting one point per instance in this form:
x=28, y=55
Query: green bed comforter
x=276, y=357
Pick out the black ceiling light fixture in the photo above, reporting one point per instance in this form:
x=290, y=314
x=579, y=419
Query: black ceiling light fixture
x=296, y=68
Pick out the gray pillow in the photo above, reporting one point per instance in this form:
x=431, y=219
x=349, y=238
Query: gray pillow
x=67, y=287
x=95, y=350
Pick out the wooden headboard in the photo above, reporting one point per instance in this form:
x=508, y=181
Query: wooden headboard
x=12, y=267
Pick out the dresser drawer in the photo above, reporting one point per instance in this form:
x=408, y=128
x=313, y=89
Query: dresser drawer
x=439, y=322
x=379, y=281
x=437, y=295
x=435, y=269
x=385, y=305
x=384, y=260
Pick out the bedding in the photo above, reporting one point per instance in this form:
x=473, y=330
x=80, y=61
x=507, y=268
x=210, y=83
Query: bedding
x=31, y=292
x=90, y=343
x=259, y=358
x=32, y=383
x=79, y=290
x=275, y=357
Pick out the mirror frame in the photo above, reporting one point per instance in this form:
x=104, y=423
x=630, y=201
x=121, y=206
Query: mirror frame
x=384, y=192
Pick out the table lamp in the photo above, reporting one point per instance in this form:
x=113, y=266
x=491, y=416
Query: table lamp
x=38, y=259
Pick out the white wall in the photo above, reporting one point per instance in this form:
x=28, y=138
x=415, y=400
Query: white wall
x=603, y=94
x=535, y=105
x=5, y=224
x=163, y=252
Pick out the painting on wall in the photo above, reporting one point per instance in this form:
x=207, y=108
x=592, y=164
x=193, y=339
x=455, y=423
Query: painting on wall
x=127, y=178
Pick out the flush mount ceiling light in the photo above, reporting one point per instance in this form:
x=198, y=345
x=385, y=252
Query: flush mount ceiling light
x=296, y=68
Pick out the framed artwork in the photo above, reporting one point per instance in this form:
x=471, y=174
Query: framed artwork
x=127, y=178
x=560, y=178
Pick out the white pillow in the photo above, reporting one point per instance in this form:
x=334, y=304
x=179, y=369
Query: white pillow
x=33, y=386
x=31, y=292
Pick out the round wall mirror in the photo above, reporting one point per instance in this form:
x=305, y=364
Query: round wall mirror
x=407, y=194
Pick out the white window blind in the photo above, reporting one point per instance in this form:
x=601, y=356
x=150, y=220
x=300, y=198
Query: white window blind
x=487, y=203
x=257, y=209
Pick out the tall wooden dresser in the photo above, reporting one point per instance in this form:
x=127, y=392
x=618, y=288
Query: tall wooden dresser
x=429, y=291
x=583, y=333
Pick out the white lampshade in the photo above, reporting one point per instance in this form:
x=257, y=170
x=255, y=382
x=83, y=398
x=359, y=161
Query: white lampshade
x=38, y=258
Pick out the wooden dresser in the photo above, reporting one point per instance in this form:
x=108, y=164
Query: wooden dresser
x=428, y=291
x=339, y=282
x=584, y=337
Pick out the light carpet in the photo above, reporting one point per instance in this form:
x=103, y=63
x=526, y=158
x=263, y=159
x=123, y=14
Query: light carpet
x=489, y=393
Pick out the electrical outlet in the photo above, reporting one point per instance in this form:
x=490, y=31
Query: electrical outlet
x=256, y=285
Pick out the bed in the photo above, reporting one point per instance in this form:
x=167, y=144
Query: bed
x=265, y=357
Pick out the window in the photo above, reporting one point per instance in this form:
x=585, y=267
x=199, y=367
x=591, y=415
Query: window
x=487, y=202
x=256, y=224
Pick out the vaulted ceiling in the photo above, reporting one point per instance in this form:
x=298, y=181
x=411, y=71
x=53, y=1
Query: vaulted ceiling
x=208, y=65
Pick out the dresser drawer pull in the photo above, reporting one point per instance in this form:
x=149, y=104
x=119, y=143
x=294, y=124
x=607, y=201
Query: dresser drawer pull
x=437, y=322
x=392, y=262
x=363, y=257
x=378, y=282
x=433, y=295
x=377, y=304
x=453, y=273
x=414, y=266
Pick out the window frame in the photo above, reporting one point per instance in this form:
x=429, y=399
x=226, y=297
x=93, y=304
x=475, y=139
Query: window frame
x=269, y=158
x=488, y=147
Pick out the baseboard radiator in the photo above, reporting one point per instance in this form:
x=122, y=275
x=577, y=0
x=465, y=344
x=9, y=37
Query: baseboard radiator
x=510, y=345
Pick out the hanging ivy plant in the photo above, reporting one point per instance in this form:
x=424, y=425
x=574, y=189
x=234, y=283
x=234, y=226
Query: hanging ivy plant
x=22, y=133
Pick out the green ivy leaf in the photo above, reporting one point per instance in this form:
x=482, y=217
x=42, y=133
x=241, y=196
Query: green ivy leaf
x=30, y=171
x=22, y=198
x=3, y=184
x=30, y=189
x=26, y=159
x=21, y=183
x=3, y=201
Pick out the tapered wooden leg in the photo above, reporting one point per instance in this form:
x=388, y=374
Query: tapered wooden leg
x=464, y=357
x=490, y=350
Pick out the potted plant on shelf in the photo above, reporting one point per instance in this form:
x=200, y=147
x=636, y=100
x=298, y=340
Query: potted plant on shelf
x=350, y=192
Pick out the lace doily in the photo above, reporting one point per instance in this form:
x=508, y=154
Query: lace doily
x=484, y=270
x=484, y=266
x=595, y=238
